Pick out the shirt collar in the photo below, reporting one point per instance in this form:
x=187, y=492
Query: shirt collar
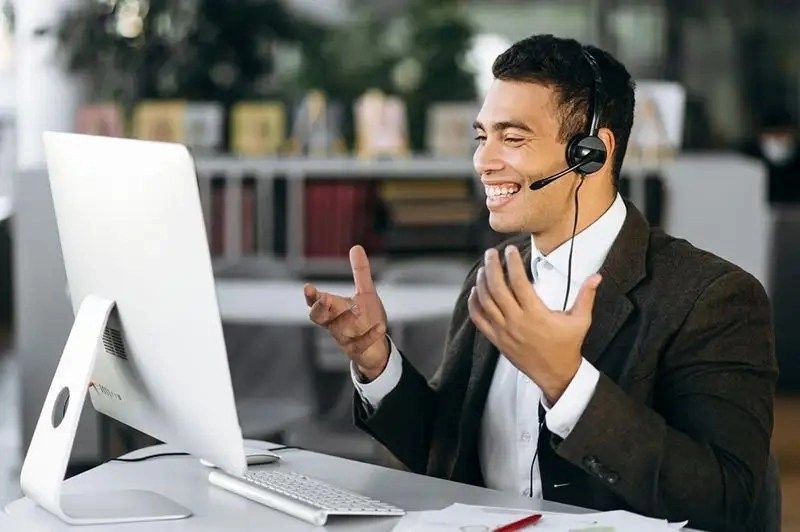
x=591, y=245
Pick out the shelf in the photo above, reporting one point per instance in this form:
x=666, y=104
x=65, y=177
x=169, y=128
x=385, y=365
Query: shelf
x=289, y=226
x=417, y=167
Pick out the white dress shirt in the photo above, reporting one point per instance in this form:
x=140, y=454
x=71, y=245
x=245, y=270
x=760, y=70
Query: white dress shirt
x=510, y=424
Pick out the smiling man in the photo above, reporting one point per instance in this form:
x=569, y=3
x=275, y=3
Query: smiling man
x=591, y=359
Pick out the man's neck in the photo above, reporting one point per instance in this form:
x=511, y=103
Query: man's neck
x=547, y=241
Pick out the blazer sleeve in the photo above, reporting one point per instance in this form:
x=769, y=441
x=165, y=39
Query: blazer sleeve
x=703, y=457
x=405, y=420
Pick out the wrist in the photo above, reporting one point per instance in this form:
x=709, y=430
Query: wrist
x=369, y=373
x=554, y=385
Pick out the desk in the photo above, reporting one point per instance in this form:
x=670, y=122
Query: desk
x=281, y=301
x=184, y=480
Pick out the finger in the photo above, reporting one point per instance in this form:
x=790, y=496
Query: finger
x=311, y=293
x=496, y=283
x=357, y=346
x=328, y=307
x=518, y=279
x=362, y=276
x=490, y=308
x=348, y=325
x=585, y=300
x=478, y=316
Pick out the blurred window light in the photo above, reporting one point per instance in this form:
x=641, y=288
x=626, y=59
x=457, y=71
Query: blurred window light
x=483, y=50
x=6, y=43
x=130, y=18
x=574, y=19
x=640, y=36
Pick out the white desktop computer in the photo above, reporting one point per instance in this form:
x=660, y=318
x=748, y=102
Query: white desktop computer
x=147, y=343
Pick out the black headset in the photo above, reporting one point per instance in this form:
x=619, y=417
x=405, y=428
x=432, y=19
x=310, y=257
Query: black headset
x=586, y=153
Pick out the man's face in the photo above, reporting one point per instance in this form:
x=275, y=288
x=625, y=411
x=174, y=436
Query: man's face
x=517, y=130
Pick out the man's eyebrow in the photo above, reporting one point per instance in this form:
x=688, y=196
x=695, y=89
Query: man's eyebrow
x=505, y=124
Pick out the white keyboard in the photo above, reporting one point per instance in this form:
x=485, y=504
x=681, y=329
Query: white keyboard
x=298, y=495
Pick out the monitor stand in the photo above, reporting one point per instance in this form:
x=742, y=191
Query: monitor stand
x=42, y=476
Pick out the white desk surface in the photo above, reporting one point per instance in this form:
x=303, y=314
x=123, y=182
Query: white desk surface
x=184, y=480
x=281, y=302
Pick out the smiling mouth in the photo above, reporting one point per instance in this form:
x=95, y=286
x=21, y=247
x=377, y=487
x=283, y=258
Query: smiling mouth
x=506, y=190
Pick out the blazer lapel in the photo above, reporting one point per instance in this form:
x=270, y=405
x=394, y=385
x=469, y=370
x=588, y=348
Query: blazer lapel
x=623, y=268
x=611, y=309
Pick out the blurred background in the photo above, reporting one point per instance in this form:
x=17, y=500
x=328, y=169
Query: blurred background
x=362, y=110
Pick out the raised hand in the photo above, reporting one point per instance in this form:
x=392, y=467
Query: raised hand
x=544, y=344
x=358, y=324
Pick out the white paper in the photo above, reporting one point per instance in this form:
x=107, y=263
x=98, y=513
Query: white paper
x=466, y=518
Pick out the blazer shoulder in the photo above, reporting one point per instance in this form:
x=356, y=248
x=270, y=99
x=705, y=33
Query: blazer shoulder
x=678, y=263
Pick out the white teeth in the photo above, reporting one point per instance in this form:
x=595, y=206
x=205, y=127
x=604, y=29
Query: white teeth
x=494, y=191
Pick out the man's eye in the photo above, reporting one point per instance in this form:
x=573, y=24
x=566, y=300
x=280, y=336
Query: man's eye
x=480, y=138
x=513, y=139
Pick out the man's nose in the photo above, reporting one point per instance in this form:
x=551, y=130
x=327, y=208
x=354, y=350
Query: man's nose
x=486, y=159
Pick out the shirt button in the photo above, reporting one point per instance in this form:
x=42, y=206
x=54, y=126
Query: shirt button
x=525, y=436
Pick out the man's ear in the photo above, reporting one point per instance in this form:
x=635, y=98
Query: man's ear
x=607, y=136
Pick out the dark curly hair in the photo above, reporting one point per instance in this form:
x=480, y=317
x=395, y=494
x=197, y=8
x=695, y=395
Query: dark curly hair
x=560, y=64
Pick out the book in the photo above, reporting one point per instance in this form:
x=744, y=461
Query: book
x=338, y=216
x=217, y=233
x=313, y=230
x=449, y=130
x=161, y=120
x=432, y=212
x=381, y=125
x=105, y=119
x=203, y=124
x=657, y=132
x=395, y=190
x=249, y=218
x=317, y=126
x=257, y=128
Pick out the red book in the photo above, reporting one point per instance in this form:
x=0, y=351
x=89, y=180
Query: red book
x=344, y=206
x=217, y=244
x=248, y=216
x=312, y=207
x=327, y=219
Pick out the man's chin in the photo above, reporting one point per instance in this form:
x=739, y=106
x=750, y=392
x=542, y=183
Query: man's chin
x=504, y=224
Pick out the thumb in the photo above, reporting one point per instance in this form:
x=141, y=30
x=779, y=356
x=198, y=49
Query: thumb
x=362, y=276
x=585, y=300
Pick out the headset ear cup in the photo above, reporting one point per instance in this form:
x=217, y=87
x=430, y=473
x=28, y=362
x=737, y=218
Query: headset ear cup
x=582, y=146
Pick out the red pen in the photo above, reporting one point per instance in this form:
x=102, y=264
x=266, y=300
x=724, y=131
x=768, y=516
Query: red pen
x=519, y=525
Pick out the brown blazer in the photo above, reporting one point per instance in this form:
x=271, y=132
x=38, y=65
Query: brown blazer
x=679, y=425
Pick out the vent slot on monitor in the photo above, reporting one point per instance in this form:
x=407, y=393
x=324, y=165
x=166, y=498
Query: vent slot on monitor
x=112, y=341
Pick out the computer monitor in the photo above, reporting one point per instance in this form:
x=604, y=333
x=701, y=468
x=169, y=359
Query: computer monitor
x=147, y=341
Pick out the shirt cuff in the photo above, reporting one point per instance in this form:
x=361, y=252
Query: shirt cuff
x=374, y=392
x=562, y=417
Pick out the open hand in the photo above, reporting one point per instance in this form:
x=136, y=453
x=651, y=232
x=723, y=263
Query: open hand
x=358, y=324
x=544, y=344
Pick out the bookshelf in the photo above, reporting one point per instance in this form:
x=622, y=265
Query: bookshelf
x=222, y=190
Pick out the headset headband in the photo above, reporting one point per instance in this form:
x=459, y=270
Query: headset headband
x=595, y=104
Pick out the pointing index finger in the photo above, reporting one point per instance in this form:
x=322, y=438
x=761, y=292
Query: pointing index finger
x=311, y=293
x=362, y=276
